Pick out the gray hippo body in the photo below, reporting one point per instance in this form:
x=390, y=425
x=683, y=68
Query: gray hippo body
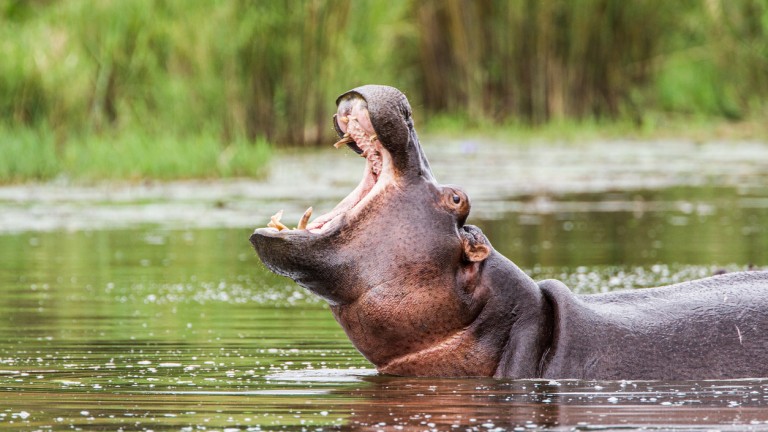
x=421, y=293
x=709, y=328
x=715, y=327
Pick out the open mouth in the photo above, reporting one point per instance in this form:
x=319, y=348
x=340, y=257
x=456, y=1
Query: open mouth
x=358, y=134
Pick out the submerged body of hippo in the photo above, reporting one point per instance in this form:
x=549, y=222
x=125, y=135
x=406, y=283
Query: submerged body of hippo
x=419, y=292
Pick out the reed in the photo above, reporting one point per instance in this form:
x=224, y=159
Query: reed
x=256, y=71
x=540, y=60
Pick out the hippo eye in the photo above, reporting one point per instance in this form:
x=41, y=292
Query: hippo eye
x=456, y=199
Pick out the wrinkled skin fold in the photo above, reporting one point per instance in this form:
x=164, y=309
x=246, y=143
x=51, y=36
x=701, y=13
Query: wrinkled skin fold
x=421, y=293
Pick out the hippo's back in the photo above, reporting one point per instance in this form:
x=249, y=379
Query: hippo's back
x=747, y=287
x=709, y=328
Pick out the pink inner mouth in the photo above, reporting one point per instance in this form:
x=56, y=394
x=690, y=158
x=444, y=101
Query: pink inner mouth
x=356, y=125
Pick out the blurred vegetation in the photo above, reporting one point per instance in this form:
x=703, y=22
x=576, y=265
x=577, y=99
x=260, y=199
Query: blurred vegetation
x=176, y=88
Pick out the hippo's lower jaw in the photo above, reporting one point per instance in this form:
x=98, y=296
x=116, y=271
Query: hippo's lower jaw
x=379, y=172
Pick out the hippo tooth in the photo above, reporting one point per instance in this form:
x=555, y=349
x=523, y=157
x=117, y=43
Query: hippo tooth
x=344, y=119
x=305, y=219
x=344, y=140
x=275, y=221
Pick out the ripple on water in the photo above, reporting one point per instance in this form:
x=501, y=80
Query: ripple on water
x=183, y=329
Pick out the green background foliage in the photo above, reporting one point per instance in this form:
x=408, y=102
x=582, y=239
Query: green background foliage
x=87, y=83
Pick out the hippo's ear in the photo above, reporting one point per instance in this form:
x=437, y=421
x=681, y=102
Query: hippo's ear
x=476, y=246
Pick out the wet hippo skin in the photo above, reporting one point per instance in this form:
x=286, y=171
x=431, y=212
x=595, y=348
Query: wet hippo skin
x=419, y=292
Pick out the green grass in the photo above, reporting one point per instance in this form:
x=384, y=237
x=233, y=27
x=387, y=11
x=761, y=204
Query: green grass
x=27, y=154
x=33, y=155
x=181, y=66
x=176, y=88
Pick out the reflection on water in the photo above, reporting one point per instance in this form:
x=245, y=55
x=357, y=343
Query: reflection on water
x=680, y=225
x=151, y=329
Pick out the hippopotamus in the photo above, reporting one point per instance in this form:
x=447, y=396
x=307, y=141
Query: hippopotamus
x=420, y=292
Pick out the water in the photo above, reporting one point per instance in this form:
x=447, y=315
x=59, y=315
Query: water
x=122, y=309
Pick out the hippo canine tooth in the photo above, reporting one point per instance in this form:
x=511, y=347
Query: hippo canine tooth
x=275, y=221
x=344, y=140
x=305, y=219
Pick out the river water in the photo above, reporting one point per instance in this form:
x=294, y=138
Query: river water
x=142, y=307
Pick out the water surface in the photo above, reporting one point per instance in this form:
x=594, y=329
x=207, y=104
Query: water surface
x=135, y=314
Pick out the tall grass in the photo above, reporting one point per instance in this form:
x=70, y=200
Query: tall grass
x=717, y=62
x=537, y=60
x=116, y=72
x=27, y=153
x=33, y=154
x=159, y=156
